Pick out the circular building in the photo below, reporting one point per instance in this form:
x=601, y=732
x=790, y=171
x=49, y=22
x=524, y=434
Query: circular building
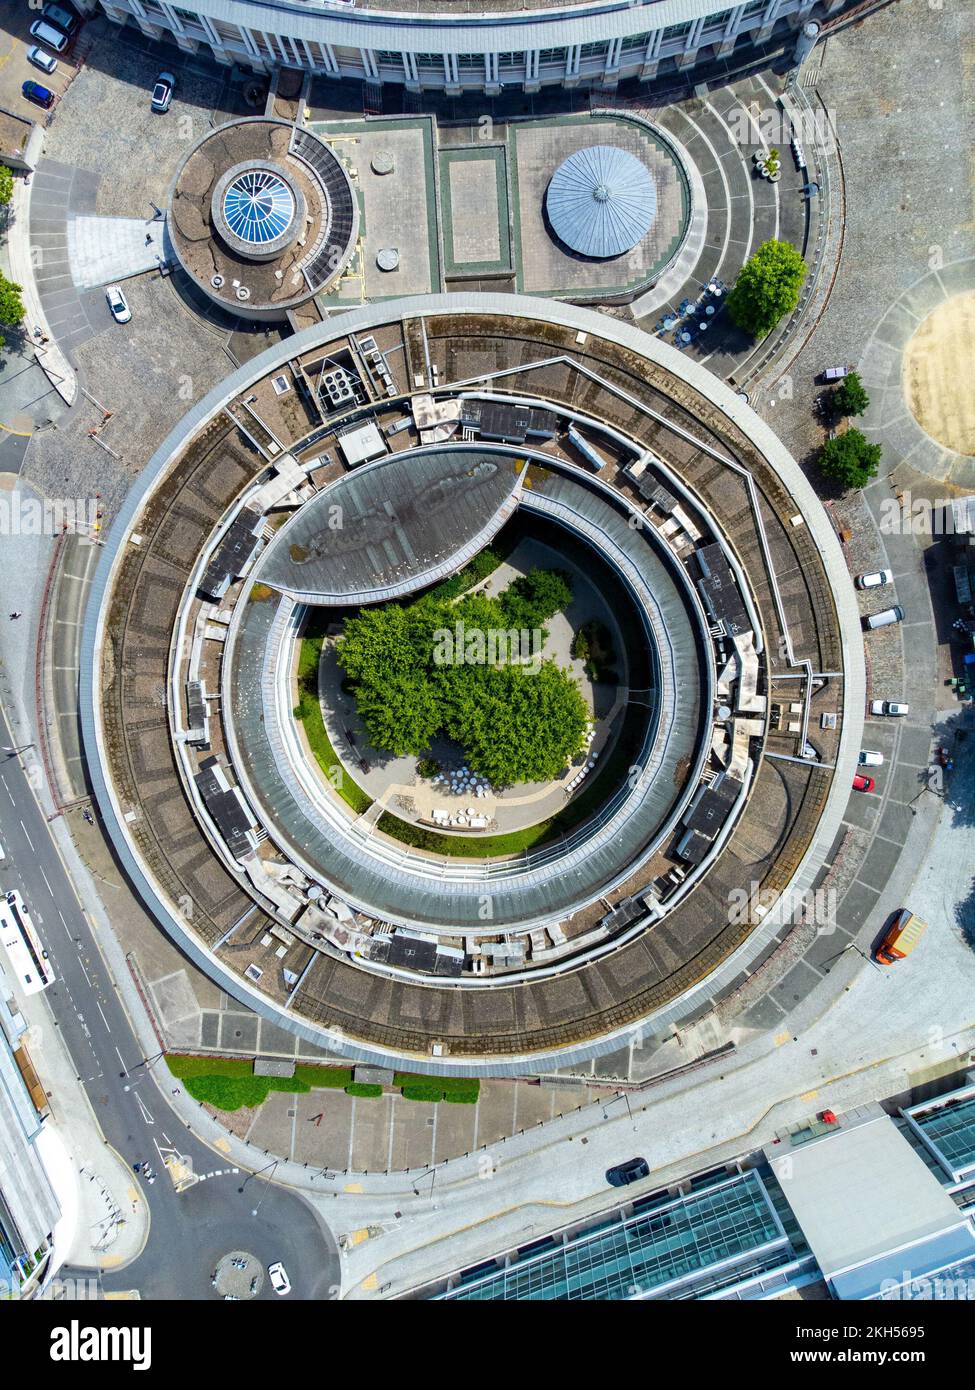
x=262, y=216
x=319, y=485
x=601, y=201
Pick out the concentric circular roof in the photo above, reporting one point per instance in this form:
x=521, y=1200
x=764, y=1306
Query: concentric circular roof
x=259, y=206
x=601, y=201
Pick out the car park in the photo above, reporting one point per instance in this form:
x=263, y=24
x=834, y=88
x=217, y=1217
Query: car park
x=876, y=579
x=863, y=783
x=888, y=707
x=278, y=1276
x=885, y=618
x=61, y=17
x=625, y=1173
x=869, y=757
x=162, y=92
x=45, y=61
x=118, y=304
x=46, y=34
x=39, y=95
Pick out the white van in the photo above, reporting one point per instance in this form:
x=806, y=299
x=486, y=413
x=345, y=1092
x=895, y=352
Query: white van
x=887, y=616
x=49, y=36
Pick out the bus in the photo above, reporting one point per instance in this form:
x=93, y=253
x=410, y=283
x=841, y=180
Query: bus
x=28, y=957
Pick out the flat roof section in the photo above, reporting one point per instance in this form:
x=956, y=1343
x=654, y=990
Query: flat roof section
x=870, y=1208
x=393, y=526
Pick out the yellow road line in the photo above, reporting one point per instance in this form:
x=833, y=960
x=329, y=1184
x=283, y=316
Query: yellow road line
x=21, y=434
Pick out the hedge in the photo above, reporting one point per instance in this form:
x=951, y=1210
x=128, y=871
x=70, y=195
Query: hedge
x=232, y=1092
x=431, y=1093
x=363, y=1088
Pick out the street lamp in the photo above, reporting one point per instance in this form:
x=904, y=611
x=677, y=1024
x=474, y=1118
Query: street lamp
x=625, y=1098
x=12, y=751
x=267, y=1182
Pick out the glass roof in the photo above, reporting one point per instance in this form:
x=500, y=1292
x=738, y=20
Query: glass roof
x=259, y=206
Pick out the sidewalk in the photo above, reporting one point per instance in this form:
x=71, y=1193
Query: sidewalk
x=106, y=1220
x=49, y=356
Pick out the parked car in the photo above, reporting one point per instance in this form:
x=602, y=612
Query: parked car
x=61, y=17
x=876, y=579
x=836, y=373
x=39, y=95
x=888, y=707
x=45, y=61
x=46, y=33
x=625, y=1173
x=894, y=614
x=862, y=783
x=162, y=92
x=118, y=304
x=278, y=1276
x=901, y=937
x=869, y=757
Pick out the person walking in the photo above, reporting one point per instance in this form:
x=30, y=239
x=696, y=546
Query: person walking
x=15, y=616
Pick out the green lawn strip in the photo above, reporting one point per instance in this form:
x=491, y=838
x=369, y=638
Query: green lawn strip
x=232, y=1092
x=363, y=1088
x=446, y=1087
x=307, y=1075
x=309, y=713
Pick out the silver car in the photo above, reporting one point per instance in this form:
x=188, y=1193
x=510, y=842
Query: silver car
x=886, y=707
x=162, y=92
x=45, y=61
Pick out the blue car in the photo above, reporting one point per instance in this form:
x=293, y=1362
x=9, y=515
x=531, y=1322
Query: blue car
x=34, y=92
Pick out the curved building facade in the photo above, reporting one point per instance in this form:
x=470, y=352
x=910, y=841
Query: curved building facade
x=455, y=47
x=360, y=462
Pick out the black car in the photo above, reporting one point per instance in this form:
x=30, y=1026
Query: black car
x=34, y=92
x=625, y=1173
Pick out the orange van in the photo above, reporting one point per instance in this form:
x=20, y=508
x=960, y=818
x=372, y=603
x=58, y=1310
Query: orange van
x=901, y=937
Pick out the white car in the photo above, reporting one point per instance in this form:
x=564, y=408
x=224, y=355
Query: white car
x=870, y=758
x=118, y=304
x=45, y=61
x=46, y=33
x=875, y=580
x=888, y=707
x=278, y=1276
x=162, y=92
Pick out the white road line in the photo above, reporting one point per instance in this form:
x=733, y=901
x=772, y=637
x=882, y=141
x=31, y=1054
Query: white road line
x=104, y=1019
x=121, y=1059
x=8, y=791
x=27, y=833
x=49, y=888
x=145, y=1113
x=84, y=971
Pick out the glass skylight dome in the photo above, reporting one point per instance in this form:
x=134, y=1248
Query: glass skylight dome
x=258, y=207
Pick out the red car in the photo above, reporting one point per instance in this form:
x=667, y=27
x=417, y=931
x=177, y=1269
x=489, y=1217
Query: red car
x=863, y=784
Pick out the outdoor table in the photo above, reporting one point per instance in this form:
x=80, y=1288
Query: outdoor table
x=709, y=310
x=685, y=337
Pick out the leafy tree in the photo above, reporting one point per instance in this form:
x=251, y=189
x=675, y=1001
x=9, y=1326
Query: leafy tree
x=6, y=185
x=850, y=459
x=850, y=398
x=411, y=680
x=11, y=304
x=767, y=288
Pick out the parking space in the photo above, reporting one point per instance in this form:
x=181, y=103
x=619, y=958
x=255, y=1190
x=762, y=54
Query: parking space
x=15, y=40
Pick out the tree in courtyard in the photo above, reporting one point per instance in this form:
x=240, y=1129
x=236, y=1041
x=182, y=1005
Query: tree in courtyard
x=850, y=459
x=767, y=288
x=850, y=398
x=11, y=304
x=6, y=185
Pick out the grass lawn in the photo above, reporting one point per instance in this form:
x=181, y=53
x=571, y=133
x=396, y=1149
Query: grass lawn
x=309, y=714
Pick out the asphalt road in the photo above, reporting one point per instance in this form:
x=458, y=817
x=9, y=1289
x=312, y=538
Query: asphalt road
x=189, y=1231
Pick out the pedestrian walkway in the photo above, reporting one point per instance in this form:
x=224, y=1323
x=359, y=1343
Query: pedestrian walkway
x=104, y=249
x=47, y=351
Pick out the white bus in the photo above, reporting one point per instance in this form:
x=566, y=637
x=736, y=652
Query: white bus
x=23, y=947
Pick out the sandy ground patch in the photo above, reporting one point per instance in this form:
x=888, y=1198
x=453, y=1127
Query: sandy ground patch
x=938, y=369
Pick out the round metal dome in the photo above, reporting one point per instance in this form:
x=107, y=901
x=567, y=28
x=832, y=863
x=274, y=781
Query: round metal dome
x=601, y=201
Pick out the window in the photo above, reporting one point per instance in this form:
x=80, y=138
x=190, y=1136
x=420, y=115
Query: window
x=593, y=50
x=636, y=41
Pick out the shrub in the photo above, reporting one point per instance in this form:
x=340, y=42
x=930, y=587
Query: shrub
x=427, y=1092
x=363, y=1088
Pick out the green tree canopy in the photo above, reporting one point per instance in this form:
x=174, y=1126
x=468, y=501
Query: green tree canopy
x=850, y=398
x=6, y=185
x=849, y=459
x=422, y=669
x=767, y=288
x=11, y=304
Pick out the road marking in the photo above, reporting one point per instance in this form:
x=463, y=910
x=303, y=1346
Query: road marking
x=8, y=791
x=145, y=1113
x=85, y=972
x=121, y=1058
x=104, y=1019
x=49, y=888
x=29, y=840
